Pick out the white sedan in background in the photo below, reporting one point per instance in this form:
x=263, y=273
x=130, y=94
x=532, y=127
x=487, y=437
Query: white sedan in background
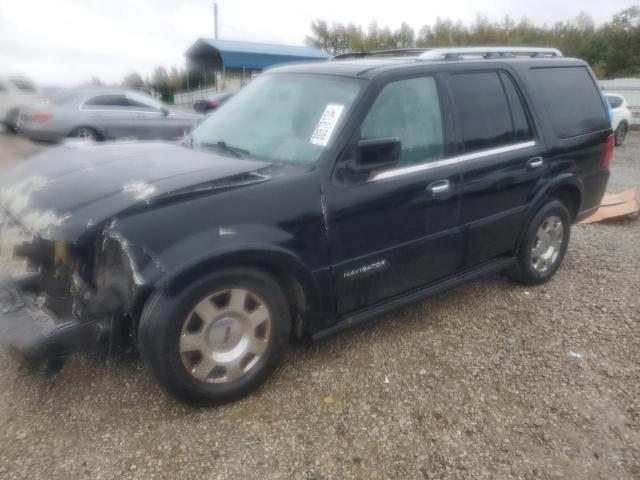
x=16, y=92
x=621, y=116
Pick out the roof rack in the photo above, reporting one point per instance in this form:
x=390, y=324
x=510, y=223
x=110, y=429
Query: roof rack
x=397, y=52
x=457, y=53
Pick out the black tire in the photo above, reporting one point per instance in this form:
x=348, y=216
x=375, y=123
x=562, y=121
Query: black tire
x=87, y=133
x=524, y=271
x=161, y=327
x=11, y=122
x=621, y=133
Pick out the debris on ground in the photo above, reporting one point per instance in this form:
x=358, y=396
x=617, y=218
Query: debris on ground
x=616, y=206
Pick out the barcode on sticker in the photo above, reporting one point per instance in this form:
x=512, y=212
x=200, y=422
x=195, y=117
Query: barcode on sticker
x=326, y=124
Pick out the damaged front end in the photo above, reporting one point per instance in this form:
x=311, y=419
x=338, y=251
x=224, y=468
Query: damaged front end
x=57, y=298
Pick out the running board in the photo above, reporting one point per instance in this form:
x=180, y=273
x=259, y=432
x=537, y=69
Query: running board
x=362, y=316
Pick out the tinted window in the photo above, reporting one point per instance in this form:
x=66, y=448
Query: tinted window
x=572, y=100
x=143, y=102
x=614, y=101
x=483, y=112
x=521, y=126
x=410, y=111
x=23, y=84
x=107, y=101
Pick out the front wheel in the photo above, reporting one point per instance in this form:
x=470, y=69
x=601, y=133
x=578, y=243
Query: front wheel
x=544, y=244
x=218, y=339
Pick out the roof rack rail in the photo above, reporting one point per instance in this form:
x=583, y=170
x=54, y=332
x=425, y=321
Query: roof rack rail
x=397, y=52
x=456, y=53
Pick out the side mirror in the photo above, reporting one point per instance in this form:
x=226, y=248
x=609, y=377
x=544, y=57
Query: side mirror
x=376, y=154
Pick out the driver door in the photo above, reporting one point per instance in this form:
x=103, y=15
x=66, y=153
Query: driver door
x=397, y=228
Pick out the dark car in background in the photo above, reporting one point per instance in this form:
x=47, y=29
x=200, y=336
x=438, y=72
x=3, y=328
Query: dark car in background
x=104, y=114
x=211, y=102
x=322, y=196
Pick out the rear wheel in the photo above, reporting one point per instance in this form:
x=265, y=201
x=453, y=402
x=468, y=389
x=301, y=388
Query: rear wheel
x=621, y=133
x=217, y=340
x=544, y=244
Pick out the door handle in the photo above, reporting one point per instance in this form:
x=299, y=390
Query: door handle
x=535, y=162
x=439, y=187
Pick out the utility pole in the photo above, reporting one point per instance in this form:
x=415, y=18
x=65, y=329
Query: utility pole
x=215, y=20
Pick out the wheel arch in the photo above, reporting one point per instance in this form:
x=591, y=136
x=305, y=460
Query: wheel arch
x=99, y=132
x=296, y=280
x=567, y=188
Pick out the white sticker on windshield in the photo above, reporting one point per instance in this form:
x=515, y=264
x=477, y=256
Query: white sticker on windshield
x=326, y=124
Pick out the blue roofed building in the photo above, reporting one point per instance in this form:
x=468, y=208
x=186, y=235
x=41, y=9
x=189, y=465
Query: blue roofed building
x=234, y=63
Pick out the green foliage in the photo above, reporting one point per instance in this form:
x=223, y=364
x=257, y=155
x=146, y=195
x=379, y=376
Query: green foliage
x=612, y=49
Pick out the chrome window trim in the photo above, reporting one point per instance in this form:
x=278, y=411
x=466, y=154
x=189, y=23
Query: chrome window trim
x=396, y=172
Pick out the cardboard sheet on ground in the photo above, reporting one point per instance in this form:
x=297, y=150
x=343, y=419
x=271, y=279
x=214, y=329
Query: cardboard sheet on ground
x=616, y=205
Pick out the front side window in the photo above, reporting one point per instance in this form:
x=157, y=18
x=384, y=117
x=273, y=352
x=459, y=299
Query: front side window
x=483, y=114
x=282, y=117
x=408, y=110
x=115, y=101
x=142, y=102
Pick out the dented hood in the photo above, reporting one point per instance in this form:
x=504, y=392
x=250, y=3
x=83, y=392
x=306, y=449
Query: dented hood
x=62, y=193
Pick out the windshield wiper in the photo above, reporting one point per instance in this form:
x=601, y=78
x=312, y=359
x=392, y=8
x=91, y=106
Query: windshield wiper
x=235, y=151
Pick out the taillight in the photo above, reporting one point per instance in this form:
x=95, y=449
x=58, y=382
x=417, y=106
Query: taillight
x=41, y=117
x=213, y=104
x=608, y=152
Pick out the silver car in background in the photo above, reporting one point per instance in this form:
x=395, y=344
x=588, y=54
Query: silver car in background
x=104, y=114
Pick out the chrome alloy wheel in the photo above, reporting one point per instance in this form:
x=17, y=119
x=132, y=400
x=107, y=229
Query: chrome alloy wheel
x=547, y=244
x=225, y=335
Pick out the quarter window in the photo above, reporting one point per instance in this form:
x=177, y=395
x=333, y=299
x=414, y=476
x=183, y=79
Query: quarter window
x=483, y=113
x=410, y=111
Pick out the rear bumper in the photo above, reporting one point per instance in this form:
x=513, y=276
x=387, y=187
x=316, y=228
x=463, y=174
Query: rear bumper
x=39, y=134
x=34, y=337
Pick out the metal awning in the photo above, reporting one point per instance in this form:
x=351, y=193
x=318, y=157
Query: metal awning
x=219, y=54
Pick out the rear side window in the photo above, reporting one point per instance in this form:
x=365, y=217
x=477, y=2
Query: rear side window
x=614, y=101
x=113, y=101
x=410, y=111
x=572, y=100
x=521, y=126
x=484, y=116
x=23, y=85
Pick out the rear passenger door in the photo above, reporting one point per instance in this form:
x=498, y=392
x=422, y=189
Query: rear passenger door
x=501, y=163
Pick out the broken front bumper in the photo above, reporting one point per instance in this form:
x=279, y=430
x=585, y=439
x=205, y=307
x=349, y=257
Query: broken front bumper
x=35, y=337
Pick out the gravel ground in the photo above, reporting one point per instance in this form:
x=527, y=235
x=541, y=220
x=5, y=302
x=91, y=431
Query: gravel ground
x=491, y=380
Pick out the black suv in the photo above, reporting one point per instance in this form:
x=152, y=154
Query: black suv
x=322, y=195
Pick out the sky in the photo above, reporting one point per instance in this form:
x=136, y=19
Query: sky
x=65, y=42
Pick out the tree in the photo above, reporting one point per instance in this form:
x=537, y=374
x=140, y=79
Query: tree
x=133, y=80
x=612, y=49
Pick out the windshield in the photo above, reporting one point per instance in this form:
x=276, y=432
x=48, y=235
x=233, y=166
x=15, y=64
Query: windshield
x=281, y=117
